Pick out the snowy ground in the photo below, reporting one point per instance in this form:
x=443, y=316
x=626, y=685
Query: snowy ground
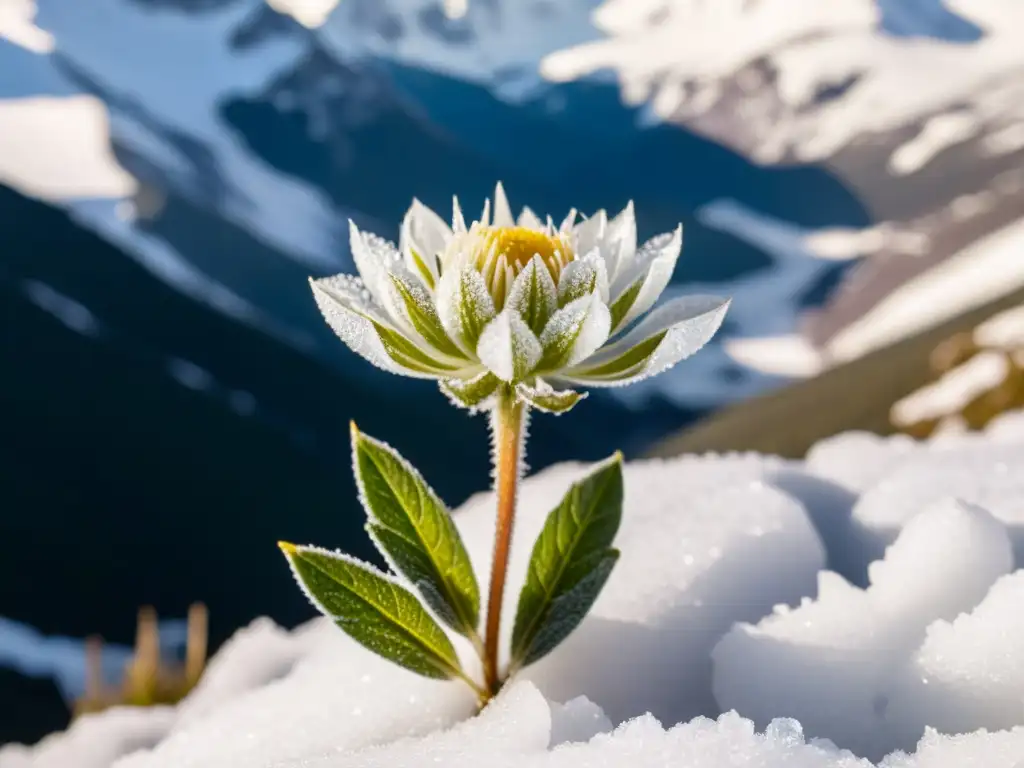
x=720, y=640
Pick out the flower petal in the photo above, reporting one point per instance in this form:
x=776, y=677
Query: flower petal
x=588, y=234
x=464, y=305
x=343, y=301
x=508, y=347
x=619, y=243
x=582, y=277
x=375, y=259
x=671, y=333
x=418, y=305
x=533, y=294
x=574, y=333
x=502, y=210
x=424, y=234
x=530, y=220
x=471, y=393
x=568, y=222
x=544, y=397
x=641, y=283
x=458, y=220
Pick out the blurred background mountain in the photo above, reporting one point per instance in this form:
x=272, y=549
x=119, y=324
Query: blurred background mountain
x=171, y=171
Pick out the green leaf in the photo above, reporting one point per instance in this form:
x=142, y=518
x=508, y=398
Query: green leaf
x=419, y=306
x=547, y=399
x=414, y=531
x=375, y=611
x=470, y=393
x=570, y=564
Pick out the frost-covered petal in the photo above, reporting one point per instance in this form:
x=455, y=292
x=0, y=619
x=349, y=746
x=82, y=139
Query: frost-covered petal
x=529, y=219
x=568, y=222
x=345, y=305
x=502, y=210
x=638, y=287
x=618, y=246
x=424, y=235
x=464, y=305
x=588, y=234
x=533, y=294
x=574, y=333
x=671, y=333
x=458, y=220
x=546, y=398
x=583, y=277
x=508, y=347
x=417, y=305
x=471, y=393
x=375, y=259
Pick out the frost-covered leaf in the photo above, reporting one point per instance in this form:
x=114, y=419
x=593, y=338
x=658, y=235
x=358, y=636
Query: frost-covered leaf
x=641, y=283
x=574, y=333
x=533, y=295
x=508, y=347
x=583, y=277
x=545, y=398
x=470, y=393
x=570, y=563
x=415, y=533
x=464, y=305
x=375, y=611
x=670, y=333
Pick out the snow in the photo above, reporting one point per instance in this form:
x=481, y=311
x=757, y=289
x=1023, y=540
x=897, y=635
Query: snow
x=71, y=313
x=720, y=601
x=938, y=133
x=17, y=25
x=764, y=319
x=860, y=642
x=953, y=391
x=984, y=271
x=58, y=148
x=671, y=53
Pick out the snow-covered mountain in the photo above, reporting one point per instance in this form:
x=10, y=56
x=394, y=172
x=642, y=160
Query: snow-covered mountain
x=223, y=143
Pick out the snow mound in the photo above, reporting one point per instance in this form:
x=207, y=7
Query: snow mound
x=705, y=542
x=684, y=630
x=844, y=664
x=984, y=475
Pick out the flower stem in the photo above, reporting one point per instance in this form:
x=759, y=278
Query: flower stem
x=508, y=437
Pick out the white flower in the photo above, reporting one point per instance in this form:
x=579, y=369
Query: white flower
x=517, y=303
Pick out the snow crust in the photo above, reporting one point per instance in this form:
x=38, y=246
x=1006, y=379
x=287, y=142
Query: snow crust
x=720, y=640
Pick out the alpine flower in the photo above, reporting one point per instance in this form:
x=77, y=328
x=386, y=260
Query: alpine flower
x=520, y=302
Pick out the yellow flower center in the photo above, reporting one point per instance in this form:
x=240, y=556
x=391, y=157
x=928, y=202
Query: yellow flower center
x=519, y=245
x=501, y=253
